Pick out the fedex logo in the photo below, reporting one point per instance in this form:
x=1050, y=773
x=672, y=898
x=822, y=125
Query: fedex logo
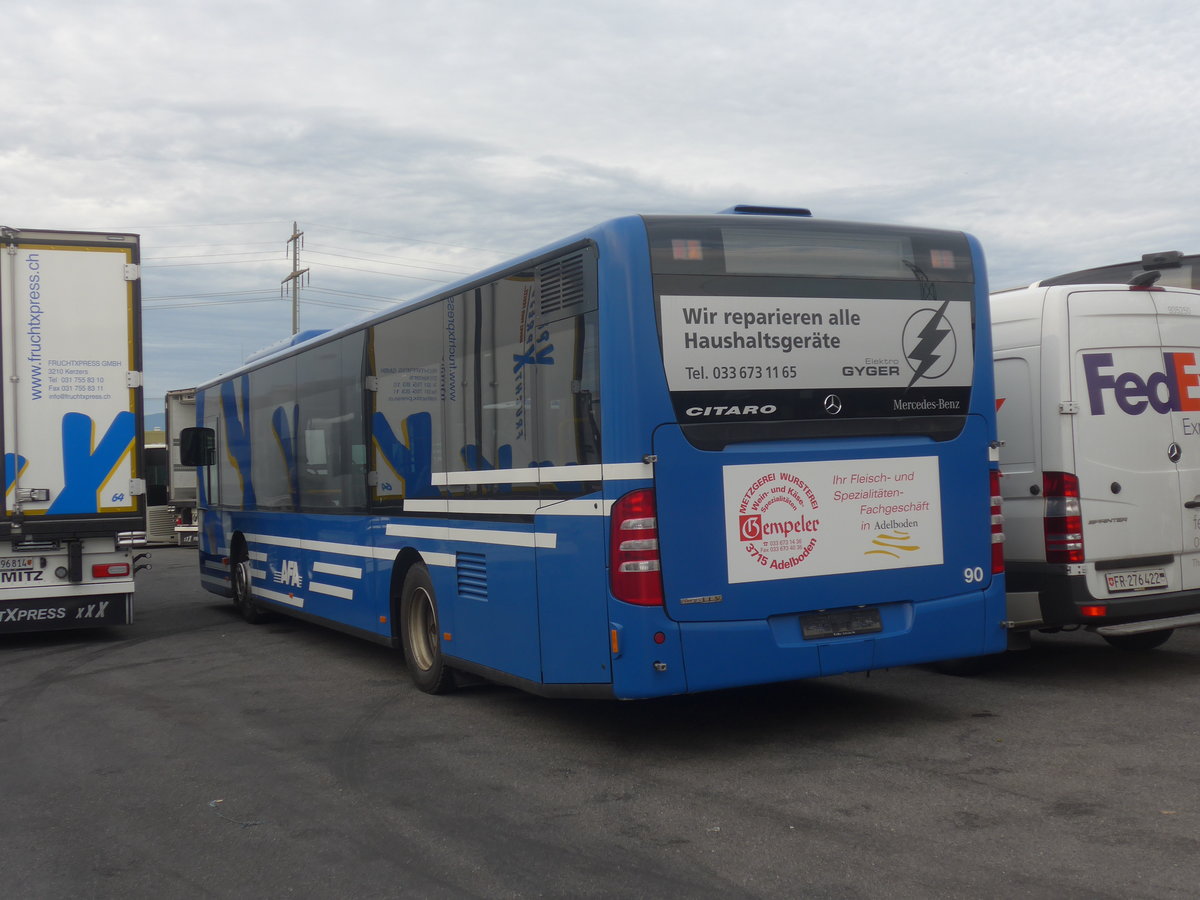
x=1174, y=389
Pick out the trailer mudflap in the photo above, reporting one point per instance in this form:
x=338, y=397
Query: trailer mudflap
x=60, y=613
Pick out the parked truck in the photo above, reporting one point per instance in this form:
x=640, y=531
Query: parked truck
x=73, y=510
x=181, y=480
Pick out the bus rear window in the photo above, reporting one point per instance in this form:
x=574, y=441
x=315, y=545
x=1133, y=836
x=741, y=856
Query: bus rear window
x=778, y=329
x=805, y=248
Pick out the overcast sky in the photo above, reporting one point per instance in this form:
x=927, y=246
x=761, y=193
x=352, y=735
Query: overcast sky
x=416, y=142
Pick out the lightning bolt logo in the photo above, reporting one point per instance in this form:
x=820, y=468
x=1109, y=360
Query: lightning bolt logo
x=924, y=355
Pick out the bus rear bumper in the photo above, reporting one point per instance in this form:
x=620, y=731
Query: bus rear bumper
x=730, y=654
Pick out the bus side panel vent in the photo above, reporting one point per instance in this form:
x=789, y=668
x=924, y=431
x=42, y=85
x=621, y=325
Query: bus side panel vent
x=471, y=569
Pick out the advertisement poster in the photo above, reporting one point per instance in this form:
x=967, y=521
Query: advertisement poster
x=797, y=520
x=66, y=370
x=762, y=343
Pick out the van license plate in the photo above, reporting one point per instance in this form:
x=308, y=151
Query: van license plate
x=1145, y=580
x=840, y=623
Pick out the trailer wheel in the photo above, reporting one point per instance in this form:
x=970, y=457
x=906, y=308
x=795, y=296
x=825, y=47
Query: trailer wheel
x=243, y=598
x=421, y=635
x=1147, y=640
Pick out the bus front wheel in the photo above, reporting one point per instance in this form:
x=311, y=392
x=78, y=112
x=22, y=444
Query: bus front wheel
x=243, y=597
x=421, y=638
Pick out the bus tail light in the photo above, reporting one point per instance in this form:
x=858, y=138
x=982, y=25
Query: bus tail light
x=1064, y=521
x=110, y=570
x=997, y=525
x=635, y=568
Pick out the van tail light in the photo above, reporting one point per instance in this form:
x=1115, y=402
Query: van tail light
x=635, y=568
x=1063, y=522
x=110, y=570
x=997, y=525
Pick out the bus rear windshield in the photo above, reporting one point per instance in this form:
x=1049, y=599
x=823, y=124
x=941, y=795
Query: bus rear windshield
x=802, y=247
x=773, y=329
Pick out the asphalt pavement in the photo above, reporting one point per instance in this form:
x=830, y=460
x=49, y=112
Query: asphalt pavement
x=193, y=755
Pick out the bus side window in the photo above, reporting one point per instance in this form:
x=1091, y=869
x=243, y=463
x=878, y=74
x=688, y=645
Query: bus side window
x=568, y=401
x=331, y=425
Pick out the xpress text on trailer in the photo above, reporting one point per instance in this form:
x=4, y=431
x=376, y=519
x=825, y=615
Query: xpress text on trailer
x=1098, y=383
x=73, y=505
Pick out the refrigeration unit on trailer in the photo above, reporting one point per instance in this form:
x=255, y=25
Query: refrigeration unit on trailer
x=180, y=408
x=72, y=435
x=1098, y=386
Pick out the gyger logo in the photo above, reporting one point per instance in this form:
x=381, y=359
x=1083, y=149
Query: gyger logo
x=929, y=343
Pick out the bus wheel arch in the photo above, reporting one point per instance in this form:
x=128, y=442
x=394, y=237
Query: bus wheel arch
x=415, y=614
x=240, y=581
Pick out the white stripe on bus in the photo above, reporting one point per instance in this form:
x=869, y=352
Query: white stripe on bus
x=331, y=590
x=547, y=540
x=278, y=597
x=512, y=507
x=606, y=472
x=330, y=569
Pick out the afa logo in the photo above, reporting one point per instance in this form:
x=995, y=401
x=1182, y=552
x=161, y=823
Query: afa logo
x=289, y=574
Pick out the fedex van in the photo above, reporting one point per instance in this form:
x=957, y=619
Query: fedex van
x=1098, y=394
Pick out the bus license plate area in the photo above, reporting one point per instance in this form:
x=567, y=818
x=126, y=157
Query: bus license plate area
x=840, y=623
x=17, y=563
x=1141, y=580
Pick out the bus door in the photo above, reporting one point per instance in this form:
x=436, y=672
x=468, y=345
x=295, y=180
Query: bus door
x=572, y=580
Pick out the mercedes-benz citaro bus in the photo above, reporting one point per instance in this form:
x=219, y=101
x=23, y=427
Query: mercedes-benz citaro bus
x=672, y=453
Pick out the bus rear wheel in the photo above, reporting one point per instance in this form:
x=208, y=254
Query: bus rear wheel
x=243, y=597
x=1146, y=640
x=421, y=637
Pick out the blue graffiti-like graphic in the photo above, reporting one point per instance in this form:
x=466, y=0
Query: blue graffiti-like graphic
x=237, y=430
x=13, y=464
x=86, y=468
x=285, y=433
x=412, y=459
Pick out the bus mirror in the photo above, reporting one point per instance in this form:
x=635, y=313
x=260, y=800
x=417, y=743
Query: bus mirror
x=197, y=447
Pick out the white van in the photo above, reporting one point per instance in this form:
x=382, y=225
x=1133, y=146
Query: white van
x=1098, y=395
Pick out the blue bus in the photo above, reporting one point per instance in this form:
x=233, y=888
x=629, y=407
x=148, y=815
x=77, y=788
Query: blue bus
x=669, y=454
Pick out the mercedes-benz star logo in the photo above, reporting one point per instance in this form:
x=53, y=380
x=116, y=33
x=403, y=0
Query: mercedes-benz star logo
x=1174, y=452
x=833, y=404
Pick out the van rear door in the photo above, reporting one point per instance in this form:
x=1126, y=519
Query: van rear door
x=1179, y=325
x=1137, y=447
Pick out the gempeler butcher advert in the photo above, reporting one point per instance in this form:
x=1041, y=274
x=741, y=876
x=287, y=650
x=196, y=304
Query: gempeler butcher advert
x=796, y=520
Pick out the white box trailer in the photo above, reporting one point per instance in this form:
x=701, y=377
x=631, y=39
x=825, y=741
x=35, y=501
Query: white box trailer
x=180, y=413
x=1098, y=387
x=73, y=506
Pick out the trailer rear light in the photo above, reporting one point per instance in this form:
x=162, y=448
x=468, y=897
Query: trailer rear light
x=1063, y=522
x=110, y=570
x=635, y=568
x=997, y=525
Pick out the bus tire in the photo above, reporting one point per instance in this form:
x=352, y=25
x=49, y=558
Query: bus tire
x=1147, y=640
x=421, y=636
x=243, y=597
